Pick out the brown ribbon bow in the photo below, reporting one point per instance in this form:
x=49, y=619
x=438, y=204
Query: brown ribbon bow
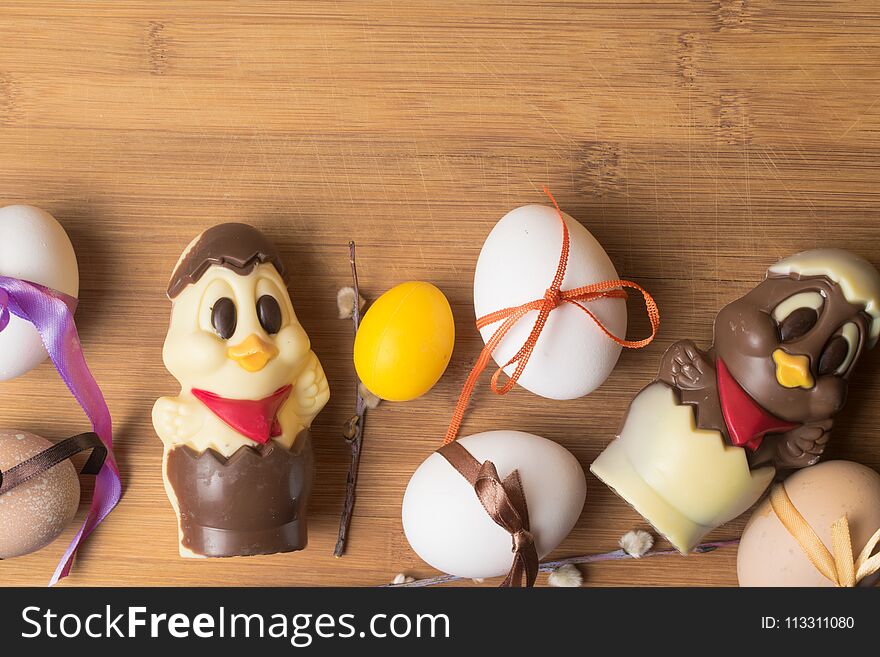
x=505, y=503
x=52, y=456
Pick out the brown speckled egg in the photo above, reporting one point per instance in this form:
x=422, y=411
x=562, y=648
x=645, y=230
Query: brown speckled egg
x=769, y=556
x=33, y=514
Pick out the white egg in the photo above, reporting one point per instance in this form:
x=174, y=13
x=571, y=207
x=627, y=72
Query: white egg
x=516, y=265
x=447, y=526
x=35, y=248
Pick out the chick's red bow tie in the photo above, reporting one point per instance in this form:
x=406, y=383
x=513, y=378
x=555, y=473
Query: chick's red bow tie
x=256, y=419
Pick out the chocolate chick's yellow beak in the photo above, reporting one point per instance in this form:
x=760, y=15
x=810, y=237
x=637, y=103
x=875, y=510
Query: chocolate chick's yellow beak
x=253, y=353
x=793, y=371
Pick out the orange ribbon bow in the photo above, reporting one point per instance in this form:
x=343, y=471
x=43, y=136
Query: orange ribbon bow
x=553, y=297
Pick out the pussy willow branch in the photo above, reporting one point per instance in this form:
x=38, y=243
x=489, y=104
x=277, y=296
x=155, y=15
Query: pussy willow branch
x=354, y=428
x=547, y=566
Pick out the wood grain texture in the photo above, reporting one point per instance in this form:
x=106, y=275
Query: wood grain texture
x=698, y=141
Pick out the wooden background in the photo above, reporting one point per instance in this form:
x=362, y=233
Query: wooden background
x=698, y=141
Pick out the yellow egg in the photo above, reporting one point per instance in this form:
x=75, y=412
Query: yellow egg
x=405, y=341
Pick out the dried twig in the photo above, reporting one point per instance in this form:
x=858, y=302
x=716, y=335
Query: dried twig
x=547, y=566
x=354, y=428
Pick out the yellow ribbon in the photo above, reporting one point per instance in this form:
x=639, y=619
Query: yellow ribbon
x=838, y=567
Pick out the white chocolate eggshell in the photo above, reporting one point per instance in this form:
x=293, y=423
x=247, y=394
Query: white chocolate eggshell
x=33, y=247
x=684, y=480
x=858, y=279
x=516, y=265
x=447, y=526
x=34, y=513
x=769, y=556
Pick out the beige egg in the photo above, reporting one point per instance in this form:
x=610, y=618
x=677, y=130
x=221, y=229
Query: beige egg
x=769, y=556
x=33, y=514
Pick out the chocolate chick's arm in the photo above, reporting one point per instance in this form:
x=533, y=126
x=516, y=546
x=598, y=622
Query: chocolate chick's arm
x=310, y=392
x=802, y=446
x=177, y=420
x=686, y=367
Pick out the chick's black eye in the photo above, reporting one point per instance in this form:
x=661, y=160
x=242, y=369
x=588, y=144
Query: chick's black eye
x=269, y=313
x=797, y=324
x=224, y=317
x=833, y=355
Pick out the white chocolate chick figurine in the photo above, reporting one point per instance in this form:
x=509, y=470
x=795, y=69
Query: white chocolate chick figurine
x=238, y=460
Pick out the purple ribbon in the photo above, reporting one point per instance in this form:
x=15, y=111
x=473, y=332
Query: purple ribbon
x=51, y=313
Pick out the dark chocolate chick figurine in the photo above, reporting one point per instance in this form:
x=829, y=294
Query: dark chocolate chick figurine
x=702, y=443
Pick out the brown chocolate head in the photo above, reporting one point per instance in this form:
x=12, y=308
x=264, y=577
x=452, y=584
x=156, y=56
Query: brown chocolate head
x=238, y=247
x=792, y=342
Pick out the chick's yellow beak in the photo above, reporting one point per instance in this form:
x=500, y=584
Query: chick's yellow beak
x=792, y=370
x=252, y=353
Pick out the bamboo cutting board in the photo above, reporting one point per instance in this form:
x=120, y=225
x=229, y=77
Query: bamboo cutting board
x=698, y=141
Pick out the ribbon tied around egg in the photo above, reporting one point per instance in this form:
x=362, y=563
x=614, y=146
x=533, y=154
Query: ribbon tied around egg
x=504, y=500
x=52, y=456
x=836, y=564
x=505, y=503
x=552, y=299
x=51, y=313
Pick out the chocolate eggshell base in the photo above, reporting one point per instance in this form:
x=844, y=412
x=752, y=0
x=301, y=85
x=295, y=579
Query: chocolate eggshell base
x=684, y=480
x=254, y=502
